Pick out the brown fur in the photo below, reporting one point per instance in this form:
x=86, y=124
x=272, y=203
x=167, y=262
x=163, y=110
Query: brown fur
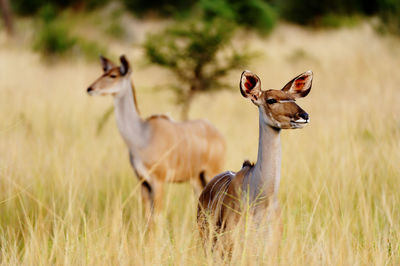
x=175, y=151
x=223, y=201
x=180, y=151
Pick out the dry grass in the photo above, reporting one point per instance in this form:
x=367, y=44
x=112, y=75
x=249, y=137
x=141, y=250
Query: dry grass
x=64, y=192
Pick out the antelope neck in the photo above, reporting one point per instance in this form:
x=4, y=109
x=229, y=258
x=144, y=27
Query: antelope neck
x=265, y=175
x=133, y=129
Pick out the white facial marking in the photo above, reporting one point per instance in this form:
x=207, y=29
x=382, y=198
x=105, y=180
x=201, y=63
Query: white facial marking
x=301, y=120
x=113, y=89
x=286, y=101
x=116, y=88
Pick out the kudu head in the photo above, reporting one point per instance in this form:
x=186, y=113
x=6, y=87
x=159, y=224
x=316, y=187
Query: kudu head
x=113, y=79
x=278, y=107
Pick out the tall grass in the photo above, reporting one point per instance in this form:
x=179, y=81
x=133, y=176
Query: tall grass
x=69, y=196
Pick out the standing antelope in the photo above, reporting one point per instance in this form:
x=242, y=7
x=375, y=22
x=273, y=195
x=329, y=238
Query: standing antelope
x=160, y=150
x=221, y=202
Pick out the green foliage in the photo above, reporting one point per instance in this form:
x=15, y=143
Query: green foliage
x=256, y=14
x=53, y=36
x=199, y=53
x=218, y=8
x=341, y=12
x=389, y=12
x=311, y=11
x=253, y=13
x=162, y=7
x=336, y=21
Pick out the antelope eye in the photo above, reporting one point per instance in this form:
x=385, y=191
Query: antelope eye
x=113, y=76
x=271, y=101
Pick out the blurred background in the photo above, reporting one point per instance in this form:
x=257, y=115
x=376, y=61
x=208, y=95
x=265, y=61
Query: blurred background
x=67, y=193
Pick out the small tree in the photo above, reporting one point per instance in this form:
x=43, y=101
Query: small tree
x=199, y=53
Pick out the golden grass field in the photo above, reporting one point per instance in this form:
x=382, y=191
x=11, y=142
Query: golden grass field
x=69, y=196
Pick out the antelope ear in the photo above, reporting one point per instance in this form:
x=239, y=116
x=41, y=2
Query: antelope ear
x=124, y=68
x=250, y=85
x=300, y=86
x=106, y=63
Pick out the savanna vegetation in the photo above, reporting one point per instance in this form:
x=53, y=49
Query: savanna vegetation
x=68, y=195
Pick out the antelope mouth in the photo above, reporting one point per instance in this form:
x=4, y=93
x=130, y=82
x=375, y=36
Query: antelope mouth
x=302, y=121
x=299, y=123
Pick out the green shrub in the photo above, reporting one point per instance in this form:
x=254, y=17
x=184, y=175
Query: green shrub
x=199, y=53
x=54, y=39
x=217, y=9
x=341, y=12
x=256, y=14
x=389, y=12
x=311, y=11
x=162, y=7
x=253, y=13
x=53, y=36
x=336, y=21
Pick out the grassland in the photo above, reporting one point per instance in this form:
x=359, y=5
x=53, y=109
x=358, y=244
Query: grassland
x=69, y=197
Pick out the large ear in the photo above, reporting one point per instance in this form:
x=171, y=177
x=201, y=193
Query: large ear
x=300, y=86
x=250, y=85
x=106, y=63
x=124, y=68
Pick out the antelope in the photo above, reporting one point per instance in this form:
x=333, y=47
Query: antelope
x=160, y=149
x=223, y=201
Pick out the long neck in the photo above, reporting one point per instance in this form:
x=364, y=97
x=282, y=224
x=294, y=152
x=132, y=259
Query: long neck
x=131, y=126
x=266, y=173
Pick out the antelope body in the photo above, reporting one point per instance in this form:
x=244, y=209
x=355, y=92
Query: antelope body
x=254, y=188
x=160, y=150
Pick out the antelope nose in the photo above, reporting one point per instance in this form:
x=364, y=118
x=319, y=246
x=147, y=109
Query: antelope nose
x=89, y=89
x=304, y=116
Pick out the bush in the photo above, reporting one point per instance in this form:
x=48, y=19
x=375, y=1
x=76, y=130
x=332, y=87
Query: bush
x=253, y=13
x=389, y=12
x=313, y=11
x=339, y=13
x=256, y=14
x=199, y=53
x=52, y=37
x=336, y=21
x=162, y=7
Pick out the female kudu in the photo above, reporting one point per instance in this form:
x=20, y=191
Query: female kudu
x=254, y=188
x=160, y=150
